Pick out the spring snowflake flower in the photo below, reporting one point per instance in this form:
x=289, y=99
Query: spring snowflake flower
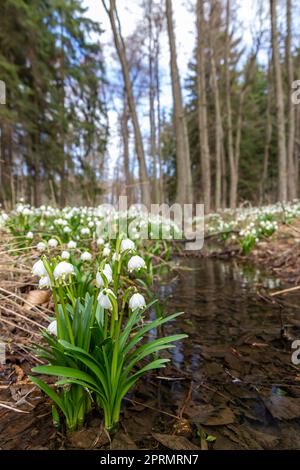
x=127, y=244
x=104, y=300
x=44, y=282
x=137, y=301
x=107, y=271
x=52, y=328
x=41, y=246
x=100, y=241
x=65, y=254
x=71, y=245
x=116, y=257
x=29, y=235
x=106, y=251
x=135, y=263
x=52, y=243
x=38, y=269
x=63, y=270
x=86, y=256
x=85, y=231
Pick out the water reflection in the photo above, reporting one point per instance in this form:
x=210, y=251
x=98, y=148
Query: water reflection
x=235, y=340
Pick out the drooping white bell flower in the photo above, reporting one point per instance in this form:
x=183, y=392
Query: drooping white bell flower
x=107, y=271
x=85, y=231
x=100, y=241
x=29, y=235
x=135, y=263
x=116, y=256
x=137, y=301
x=71, y=245
x=104, y=300
x=65, y=254
x=44, y=282
x=106, y=251
x=127, y=244
x=86, y=256
x=41, y=246
x=63, y=270
x=52, y=328
x=52, y=243
x=38, y=269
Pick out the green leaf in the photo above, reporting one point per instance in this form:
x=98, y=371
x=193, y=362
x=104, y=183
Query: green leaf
x=49, y=391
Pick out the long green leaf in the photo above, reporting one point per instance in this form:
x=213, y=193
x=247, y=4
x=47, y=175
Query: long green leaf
x=65, y=372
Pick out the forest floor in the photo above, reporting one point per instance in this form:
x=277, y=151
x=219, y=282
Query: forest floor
x=278, y=254
x=244, y=397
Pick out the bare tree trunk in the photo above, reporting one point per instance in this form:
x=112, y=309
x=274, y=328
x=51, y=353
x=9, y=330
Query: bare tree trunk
x=153, y=154
x=202, y=107
x=281, y=138
x=219, y=134
x=267, y=142
x=292, y=189
x=230, y=149
x=184, y=174
x=121, y=50
x=125, y=137
x=158, y=120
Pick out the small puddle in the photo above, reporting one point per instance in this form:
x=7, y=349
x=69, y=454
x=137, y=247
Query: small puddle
x=235, y=355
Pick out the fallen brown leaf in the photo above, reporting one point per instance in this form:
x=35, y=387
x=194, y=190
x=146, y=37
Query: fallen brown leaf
x=36, y=297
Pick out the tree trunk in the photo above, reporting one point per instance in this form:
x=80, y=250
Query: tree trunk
x=292, y=189
x=184, y=174
x=230, y=149
x=264, y=178
x=121, y=51
x=281, y=138
x=125, y=137
x=155, y=192
x=202, y=108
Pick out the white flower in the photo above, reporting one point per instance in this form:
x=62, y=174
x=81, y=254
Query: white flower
x=63, y=270
x=52, y=328
x=71, y=245
x=86, y=256
x=107, y=271
x=38, y=269
x=137, y=301
x=52, y=243
x=85, y=231
x=135, y=263
x=41, y=246
x=104, y=300
x=44, y=282
x=100, y=241
x=29, y=235
x=67, y=229
x=106, y=251
x=65, y=254
x=116, y=256
x=127, y=244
